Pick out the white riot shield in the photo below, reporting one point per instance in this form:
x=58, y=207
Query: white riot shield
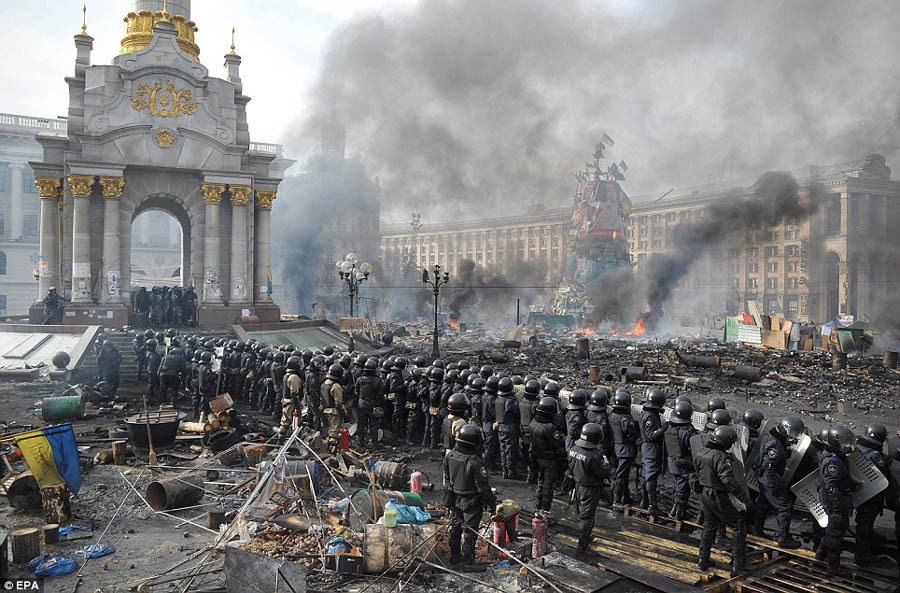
x=636, y=410
x=737, y=466
x=863, y=471
x=743, y=440
x=798, y=450
x=699, y=420
x=667, y=414
x=807, y=491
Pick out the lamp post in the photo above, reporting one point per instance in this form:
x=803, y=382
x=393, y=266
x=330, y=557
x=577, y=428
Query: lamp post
x=436, y=282
x=352, y=275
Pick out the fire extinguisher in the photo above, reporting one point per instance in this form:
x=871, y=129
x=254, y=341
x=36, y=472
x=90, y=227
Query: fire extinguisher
x=539, y=533
x=344, y=439
x=295, y=420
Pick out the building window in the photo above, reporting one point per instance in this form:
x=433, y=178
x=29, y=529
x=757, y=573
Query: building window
x=792, y=250
x=4, y=175
x=685, y=216
x=656, y=218
x=642, y=220
x=772, y=266
x=3, y=266
x=752, y=283
x=670, y=217
x=642, y=245
x=657, y=231
x=30, y=225
x=752, y=253
x=752, y=267
x=2, y=304
x=792, y=234
x=771, y=283
x=2, y=223
x=30, y=187
x=657, y=244
x=771, y=251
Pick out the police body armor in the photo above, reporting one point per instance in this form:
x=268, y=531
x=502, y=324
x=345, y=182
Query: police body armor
x=506, y=410
x=488, y=408
x=367, y=392
x=434, y=399
x=172, y=362
x=526, y=414
x=286, y=395
x=615, y=427
x=461, y=483
x=674, y=446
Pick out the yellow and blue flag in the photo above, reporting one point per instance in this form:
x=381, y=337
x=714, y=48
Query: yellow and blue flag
x=605, y=139
x=52, y=456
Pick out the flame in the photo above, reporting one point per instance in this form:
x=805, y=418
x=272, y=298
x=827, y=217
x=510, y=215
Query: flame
x=613, y=331
x=587, y=331
x=639, y=328
x=454, y=323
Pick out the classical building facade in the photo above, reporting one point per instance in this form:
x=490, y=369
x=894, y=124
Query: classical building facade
x=154, y=131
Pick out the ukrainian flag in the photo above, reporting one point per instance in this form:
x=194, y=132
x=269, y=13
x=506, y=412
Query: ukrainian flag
x=52, y=456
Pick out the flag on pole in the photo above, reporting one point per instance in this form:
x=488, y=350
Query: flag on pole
x=605, y=139
x=52, y=456
x=623, y=165
x=269, y=279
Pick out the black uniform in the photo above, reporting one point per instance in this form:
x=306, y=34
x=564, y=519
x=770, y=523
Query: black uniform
x=575, y=419
x=716, y=475
x=153, y=360
x=549, y=451
x=434, y=420
x=775, y=492
x=834, y=494
x=868, y=511
x=170, y=372
x=415, y=415
x=368, y=393
x=526, y=415
x=587, y=469
x=312, y=385
x=249, y=374
x=606, y=446
x=653, y=432
x=506, y=410
x=139, y=350
x=488, y=418
x=206, y=389
x=625, y=433
x=681, y=465
x=397, y=395
x=468, y=494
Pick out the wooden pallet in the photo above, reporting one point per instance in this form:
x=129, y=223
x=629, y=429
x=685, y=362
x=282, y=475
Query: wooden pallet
x=799, y=576
x=663, y=520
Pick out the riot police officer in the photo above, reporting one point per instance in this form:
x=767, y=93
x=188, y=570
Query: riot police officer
x=678, y=446
x=248, y=374
x=434, y=418
x=332, y=402
x=139, y=349
x=53, y=304
x=291, y=394
x=277, y=371
x=587, y=469
x=653, y=430
x=775, y=492
x=415, y=415
x=153, y=360
x=526, y=415
x=752, y=419
x=871, y=444
x=488, y=418
x=575, y=416
x=458, y=407
x=835, y=491
x=172, y=368
x=551, y=389
x=625, y=432
x=549, y=450
x=714, y=466
x=508, y=418
x=312, y=391
x=206, y=387
x=398, y=388
x=468, y=492
x=370, y=407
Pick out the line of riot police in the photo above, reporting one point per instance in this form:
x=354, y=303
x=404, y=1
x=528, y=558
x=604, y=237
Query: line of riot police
x=164, y=306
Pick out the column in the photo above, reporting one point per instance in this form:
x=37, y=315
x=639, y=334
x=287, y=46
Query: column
x=112, y=269
x=263, y=248
x=81, y=186
x=50, y=190
x=17, y=196
x=240, y=197
x=212, y=195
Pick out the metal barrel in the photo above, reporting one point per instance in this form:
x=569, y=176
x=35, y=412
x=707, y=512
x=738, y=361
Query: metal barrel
x=172, y=493
x=890, y=359
x=839, y=361
x=634, y=373
x=390, y=474
x=698, y=360
x=63, y=407
x=748, y=373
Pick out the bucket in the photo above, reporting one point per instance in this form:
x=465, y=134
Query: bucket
x=839, y=361
x=170, y=494
x=890, y=359
x=64, y=407
x=373, y=509
x=163, y=429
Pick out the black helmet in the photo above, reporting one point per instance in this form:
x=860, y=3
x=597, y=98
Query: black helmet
x=335, y=373
x=591, y=432
x=464, y=376
x=530, y=377
x=715, y=403
x=458, y=403
x=469, y=439
x=463, y=365
x=328, y=350
x=439, y=363
x=271, y=355
x=306, y=355
x=546, y=409
x=171, y=332
x=386, y=365
x=196, y=357
x=724, y=436
x=451, y=367
x=209, y=345
x=718, y=418
x=577, y=399
x=504, y=386
x=370, y=366
x=420, y=362
x=148, y=334
x=345, y=361
x=491, y=384
x=821, y=440
x=517, y=380
x=293, y=363
x=240, y=346
x=417, y=372
x=840, y=440
x=622, y=400
x=152, y=344
x=400, y=363
x=599, y=399
x=683, y=412
x=291, y=348
x=486, y=371
x=206, y=358
x=874, y=436
x=551, y=389
x=279, y=357
x=752, y=418
x=654, y=399
x=437, y=375
x=317, y=362
x=192, y=341
x=452, y=376
x=160, y=337
x=532, y=389
x=790, y=428
x=476, y=385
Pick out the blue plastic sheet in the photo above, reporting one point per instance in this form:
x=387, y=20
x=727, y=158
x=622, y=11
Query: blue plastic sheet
x=412, y=515
x=96, y=550
x=46, y=565
x=70, y=528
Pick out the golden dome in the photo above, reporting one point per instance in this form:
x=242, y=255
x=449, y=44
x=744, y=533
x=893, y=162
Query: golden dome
x=139, y=33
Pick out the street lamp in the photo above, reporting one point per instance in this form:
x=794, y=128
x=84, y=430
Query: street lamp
x=352, y=275
x=436, y=284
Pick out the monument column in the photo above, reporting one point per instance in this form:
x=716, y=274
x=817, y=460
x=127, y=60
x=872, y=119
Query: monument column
x=240, y=197
x=17, y=196
x=50, y=191
x=212, y=195
x=112, y=269
x=81, y=186
x=263, y=247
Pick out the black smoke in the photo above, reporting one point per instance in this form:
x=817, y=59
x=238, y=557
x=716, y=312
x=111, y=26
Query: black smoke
x=612, y=296
x=776, y=198
x=470, y=107
x=476, y=294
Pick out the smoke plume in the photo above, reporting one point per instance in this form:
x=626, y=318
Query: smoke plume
x=476, y=294
x=775, y=199
x=471, y=107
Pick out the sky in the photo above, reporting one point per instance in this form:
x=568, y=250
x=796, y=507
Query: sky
x=483, y=107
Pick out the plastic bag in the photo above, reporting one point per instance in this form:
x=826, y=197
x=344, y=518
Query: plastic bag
x=96, y=550
x=411, y=514
x=70, y=528
x=46, y=565
x=338, y=543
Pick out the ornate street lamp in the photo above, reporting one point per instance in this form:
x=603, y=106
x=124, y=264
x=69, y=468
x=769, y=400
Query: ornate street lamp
x=352, y=275
x=436, y=284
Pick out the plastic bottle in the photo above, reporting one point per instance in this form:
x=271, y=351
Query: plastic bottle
x=390, y=514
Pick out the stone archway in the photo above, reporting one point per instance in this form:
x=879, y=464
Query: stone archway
x=169, y=205
x=831, y=283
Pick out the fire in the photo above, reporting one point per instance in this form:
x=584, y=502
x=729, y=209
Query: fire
x=454, y=323
x=613, y=331
x=587, y=331
x=639, y=328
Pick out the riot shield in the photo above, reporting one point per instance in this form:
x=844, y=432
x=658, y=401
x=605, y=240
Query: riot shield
x=863, y=471
x=807, y=491
x=737, y=466
x=667, y=414
x=798, y=450
x=752, y=458
x=699, y=420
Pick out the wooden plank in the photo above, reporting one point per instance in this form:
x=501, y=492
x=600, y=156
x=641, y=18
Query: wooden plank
x=685, y=560
x=645, y=577
x=685, y=569
x=670, y=544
